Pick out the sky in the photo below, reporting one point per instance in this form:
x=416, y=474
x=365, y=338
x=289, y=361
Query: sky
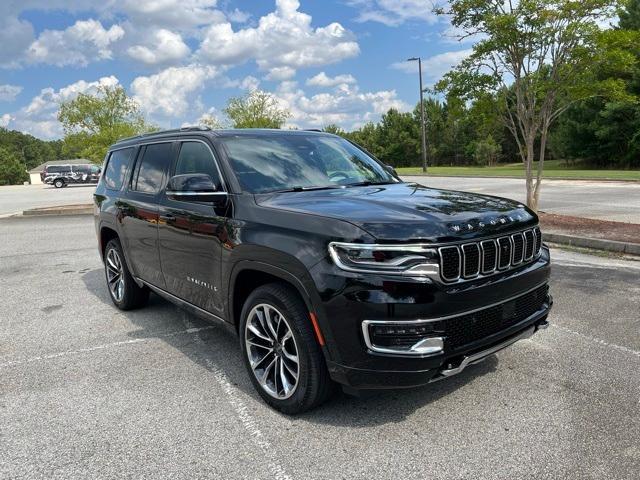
x=326, y=61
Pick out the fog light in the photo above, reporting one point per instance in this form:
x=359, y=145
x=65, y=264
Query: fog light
x=402, y=338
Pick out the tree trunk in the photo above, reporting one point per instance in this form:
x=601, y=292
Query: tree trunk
x=543, y=146
x=530, y=144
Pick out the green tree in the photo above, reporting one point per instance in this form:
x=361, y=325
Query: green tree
x=32, y=151
x=93, y=122
x=256, y=109
x=12, y=169
x=605, y=131
x=538, y=57
x=486, y=151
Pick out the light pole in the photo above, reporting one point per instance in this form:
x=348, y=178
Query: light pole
x=422, y=125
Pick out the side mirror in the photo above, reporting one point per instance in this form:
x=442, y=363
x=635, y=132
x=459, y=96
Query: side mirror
x=391, y=169
x=194, y=187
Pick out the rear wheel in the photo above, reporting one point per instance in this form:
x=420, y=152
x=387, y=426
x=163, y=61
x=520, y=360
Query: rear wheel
x=123, y=290
x=281, y=352
x=59, y=183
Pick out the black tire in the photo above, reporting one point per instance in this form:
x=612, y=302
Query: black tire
x=59, y=183
x=314, y=386
x=131, y=296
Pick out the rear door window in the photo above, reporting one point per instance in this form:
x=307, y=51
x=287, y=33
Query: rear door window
x=147, y=178
x=116, y=168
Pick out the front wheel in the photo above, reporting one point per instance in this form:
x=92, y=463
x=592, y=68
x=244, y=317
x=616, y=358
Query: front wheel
x=281, y=352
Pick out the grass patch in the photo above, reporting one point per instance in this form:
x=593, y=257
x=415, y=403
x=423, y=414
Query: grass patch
x=552, y=169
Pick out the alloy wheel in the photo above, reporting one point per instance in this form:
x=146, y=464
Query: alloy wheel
x=115, y=277
x=272, y=351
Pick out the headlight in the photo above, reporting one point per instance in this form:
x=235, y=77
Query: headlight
x=415, y=260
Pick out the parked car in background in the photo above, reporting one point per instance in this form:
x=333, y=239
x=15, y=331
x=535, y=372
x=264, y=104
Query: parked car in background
x=62, y=175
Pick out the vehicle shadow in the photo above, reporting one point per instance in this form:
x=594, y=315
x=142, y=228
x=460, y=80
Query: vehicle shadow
x=215, y=348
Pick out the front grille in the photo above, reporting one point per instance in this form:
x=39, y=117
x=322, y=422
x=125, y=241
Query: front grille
x=471, y=260
x=518, y=248
x=450, y=263
x=489, y=256
x=472, y=327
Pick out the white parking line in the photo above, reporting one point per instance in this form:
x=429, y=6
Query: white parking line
x=597, y=340
x=101, y=347
x=243, y=414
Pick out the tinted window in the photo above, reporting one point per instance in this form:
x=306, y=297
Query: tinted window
x=117, y=168
x=195, y=157
x=58, y=169
x=151, y=167
x=286, y=161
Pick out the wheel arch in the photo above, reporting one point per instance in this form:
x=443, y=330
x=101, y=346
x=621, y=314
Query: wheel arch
x=247, y=275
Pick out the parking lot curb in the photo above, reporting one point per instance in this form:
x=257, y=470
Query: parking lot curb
x=593, y=243
x=82, y=209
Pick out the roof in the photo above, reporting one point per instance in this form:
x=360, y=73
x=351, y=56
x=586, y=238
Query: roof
x=75, y=161
x=214, y=133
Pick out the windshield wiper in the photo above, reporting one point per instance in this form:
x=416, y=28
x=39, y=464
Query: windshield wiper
x=306, y=189
x=367, y=183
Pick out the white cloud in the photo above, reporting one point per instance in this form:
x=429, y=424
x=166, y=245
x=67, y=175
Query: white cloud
x=8, y=93
x=79, y=44
x=280, y=73
x=169, y=92
x=39, y=117
x=347, y=106
x=250, y=83
x=284, y=38
x=172, y=14
x=5, y=119
x=15, y=36
x=322, y=80
x=238, y=16
x=162, y=46
x=394, y=12
x=433, y=68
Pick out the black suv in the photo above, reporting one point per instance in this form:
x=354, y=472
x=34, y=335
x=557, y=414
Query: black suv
x=62, y=175
x=328, y=267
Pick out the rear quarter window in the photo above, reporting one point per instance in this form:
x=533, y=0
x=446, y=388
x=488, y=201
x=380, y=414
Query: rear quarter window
x=116, y=169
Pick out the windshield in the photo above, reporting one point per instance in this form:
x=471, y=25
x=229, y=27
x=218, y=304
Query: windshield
x=298, y=162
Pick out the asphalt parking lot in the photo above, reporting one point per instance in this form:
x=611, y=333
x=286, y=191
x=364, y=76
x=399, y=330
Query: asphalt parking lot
x=87, y=391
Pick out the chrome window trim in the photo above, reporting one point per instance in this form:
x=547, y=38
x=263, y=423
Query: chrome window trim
x=194, y=194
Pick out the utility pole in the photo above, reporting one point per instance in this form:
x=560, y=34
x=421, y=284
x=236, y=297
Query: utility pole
x=422, y=123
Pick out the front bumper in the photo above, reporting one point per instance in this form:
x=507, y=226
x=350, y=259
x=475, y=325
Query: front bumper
x=357, y=300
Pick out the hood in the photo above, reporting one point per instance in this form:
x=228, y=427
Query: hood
x=409, y=211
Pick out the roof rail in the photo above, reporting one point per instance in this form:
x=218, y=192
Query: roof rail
x=313, y=130
x=199, y=128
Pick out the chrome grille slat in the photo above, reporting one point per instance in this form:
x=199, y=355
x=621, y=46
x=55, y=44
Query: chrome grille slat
x=470, y=260
x=517, y=245
x=487, y=257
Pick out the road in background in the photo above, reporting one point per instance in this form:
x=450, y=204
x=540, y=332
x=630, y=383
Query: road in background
x=16, y=198
x=87, y=391
x=601, y=200
x=619, y=201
